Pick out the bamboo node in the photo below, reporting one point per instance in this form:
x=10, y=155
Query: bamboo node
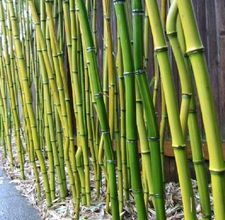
x=13, y=18
x=105, y=132
x=90, y=49
x=111, y=162
x=153, y=139
x=131, y=141
x=156, y=195
x=98, y=95
x=139, y=72
x=179, y=147
x=138, y=12
x=120, y=77
x=59, y=54
x=79, y=104
x=186, y=95
x=145, y=152
x=198, y=162
x=107, y=18
x=139, y=101
x=214, y=171
x=192, y=51
x=45, y=82
x=161, y=49
x=72, y=9
x=118, y=1
x=192, y=111
x=20, y=58
x=36, y=23
x=126, y=74
x=171, y=34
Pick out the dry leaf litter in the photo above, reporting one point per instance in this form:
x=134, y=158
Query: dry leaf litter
x=63, y=210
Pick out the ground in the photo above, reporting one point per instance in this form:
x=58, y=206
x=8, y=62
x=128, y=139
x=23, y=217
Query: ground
x=13, y=206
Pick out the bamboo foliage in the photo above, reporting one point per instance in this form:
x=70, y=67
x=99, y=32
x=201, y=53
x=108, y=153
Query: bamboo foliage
x=78, y=98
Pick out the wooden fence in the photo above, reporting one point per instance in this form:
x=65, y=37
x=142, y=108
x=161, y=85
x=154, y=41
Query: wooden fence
x=210, y=16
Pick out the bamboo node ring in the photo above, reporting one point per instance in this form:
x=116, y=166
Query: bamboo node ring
x=220, y=171
x=198, y=162
x=138, y=12
x=145, y=152
x=126, y=74
x=105, y=132
x=131, y=141
x=139, y=72
x=153, y=139
x=118, y=1
x=161, y=49
x=179, y=147
x=171, y=34
x=111, y=161
x=98, y=95
x=186, y=95
x=192, y=111
x=90, y=49
x=192, y=51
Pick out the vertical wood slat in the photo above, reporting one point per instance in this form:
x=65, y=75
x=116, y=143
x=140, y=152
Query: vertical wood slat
x=220, y=18
x=210, y=16
x=212, y=51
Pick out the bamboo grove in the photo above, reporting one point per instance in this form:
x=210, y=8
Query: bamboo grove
x=83, y=106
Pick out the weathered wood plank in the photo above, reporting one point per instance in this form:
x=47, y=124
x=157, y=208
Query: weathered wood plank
x=168, y=151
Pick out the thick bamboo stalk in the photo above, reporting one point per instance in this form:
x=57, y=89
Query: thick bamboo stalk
x=188, y=112
x=153, y=133
x=194, y=49
x=172, y=109
x=131, y=130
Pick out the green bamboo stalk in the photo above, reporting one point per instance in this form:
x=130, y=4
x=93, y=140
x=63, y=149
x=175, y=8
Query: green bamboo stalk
x=153, y=133
x=50, y=130
x=188, y=112
x=119, y=65
x=65, y=98
x=28, y=98
x=178, y=142
x=131, y=133
x=12, y=94
x=5, y=113
x=27, y=125
x=194, y=49
x=79, y=105
x=100, y=108
x=59, y=101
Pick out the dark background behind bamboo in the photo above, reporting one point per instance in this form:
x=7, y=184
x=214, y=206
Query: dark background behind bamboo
x=210, y=16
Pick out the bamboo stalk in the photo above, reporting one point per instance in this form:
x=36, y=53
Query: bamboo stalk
x=194, y=49
x=28, y=98
x=100, y=108
x=172, y=109
x=131, y=130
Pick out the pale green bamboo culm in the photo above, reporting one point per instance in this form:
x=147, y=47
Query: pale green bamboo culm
x=28, y=99
x=188, y=112
x=195, y=52
x=100, y=107
x=178, y=141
